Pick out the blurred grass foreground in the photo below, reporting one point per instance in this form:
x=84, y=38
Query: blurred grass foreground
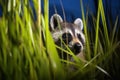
x=25, y=56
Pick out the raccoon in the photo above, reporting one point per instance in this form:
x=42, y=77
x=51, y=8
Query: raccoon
x=71, y=34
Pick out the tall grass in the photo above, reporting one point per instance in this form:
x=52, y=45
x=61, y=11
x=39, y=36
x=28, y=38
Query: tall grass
x=27, y=50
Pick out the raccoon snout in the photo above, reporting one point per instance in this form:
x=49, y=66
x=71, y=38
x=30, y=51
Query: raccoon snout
x=77, y=48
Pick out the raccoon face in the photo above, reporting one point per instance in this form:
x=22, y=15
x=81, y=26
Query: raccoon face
x=71, y=33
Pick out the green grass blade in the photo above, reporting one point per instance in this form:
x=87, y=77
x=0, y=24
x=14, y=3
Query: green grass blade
x=51, y=50
x=104, y=24
x=97, y=30
x=86, y=33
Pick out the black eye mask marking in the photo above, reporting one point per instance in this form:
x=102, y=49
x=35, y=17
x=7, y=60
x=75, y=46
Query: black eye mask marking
x=80, y=38
x=67, y=37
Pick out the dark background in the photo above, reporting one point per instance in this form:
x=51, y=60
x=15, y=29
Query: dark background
x=73, y=10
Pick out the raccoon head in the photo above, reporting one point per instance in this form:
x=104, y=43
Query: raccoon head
x=71, y=33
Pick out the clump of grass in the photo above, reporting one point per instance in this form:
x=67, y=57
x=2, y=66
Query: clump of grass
x=103, y=46
x=26, y=54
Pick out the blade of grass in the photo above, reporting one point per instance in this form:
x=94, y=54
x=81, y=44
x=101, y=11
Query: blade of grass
x=85, y=30
x=104, y=24
x=97, y=30
x=51, y=50
x=114, y=31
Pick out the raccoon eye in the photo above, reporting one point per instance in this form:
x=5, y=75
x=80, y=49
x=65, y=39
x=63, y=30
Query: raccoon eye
x=67, y=37
x=80, y=38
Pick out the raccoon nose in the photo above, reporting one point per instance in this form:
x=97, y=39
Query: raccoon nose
x=77, y=48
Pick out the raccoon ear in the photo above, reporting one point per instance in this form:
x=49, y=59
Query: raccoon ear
x=55, y=21
x=79, y=22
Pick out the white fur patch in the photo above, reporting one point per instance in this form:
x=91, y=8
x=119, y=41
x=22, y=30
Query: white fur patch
x=57, y=34
x=68, y=31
